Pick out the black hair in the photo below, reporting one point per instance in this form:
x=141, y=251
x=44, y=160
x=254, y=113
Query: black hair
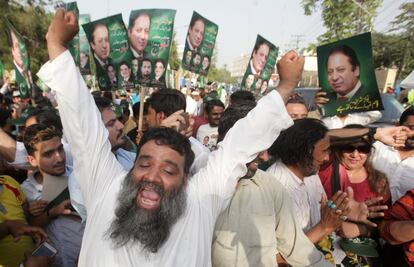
x=404, y=116
x=5, y=114
x=194, y=56
x=133, y=18
x=167, y=101
x=231, y=115
x=296, y=100
x=42, y=101
x=196, y=18
x=106, y=94
x=172, y=139
x=347, y=51
x=102, y=102
x=259, y=44
x=135, y=108
x=295, y=145
x=160, y=61
x=37, y=133
x=49, y=118
x=112, y=65
x=213, y=103
x=241, y=95
x=146, y=60
x=123, y=63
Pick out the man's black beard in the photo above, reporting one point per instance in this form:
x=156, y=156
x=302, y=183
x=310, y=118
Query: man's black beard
x=150, y=228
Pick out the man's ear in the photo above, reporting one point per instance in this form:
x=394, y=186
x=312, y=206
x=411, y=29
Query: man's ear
x=33, y=161
x=357, y=71
x=160, y=117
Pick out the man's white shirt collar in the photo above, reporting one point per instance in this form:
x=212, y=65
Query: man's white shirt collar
x=189, y=44
x=136, y=54
x=352, y=93
x=252, y=69
x=100, y=61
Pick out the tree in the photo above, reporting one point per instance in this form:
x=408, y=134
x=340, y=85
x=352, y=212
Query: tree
x=387, y=49
x=404, y=25
x=31, y=20
x=221, y=75
x=343, y=18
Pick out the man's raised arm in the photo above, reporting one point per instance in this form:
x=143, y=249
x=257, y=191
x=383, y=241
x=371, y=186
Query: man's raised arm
x=81, y=119
x=249, y=136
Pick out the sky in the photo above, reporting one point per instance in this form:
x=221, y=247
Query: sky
x=239, y=21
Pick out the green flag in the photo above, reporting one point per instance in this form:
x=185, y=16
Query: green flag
x=260, y=67
x=21, y=60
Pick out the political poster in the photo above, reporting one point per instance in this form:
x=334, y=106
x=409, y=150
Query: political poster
x=199, y=45
x=73, y=45
x=84, y=49
x=108, y=39
x=21, y=61
x=260, y=67
x=150, y=33
x=347, y=75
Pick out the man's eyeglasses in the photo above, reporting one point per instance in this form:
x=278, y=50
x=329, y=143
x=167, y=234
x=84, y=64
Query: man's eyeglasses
x=364, y=149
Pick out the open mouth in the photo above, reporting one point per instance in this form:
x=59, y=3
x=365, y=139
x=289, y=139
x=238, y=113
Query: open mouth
x=148, y=198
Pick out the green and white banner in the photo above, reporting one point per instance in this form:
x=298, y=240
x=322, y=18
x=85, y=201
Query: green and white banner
x=21, y=60
x=150, y=33
x=84, y=55
x=108, y=39
x=199, y=45
x=73, y=45
x=172, y=79
x=260, y=67
x=1, y=70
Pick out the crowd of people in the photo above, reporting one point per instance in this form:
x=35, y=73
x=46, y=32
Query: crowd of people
x=190, y=178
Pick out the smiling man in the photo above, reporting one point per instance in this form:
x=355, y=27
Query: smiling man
x=344, y=73
x=100, y=44
x=259, y=57
x=195, y=34
x=169, y=212
x=138, y=33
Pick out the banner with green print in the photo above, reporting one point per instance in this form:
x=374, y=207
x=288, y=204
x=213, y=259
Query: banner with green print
x=1, y=70
x=260, y=67
x=108, y=39
x=73, y=45
x=150, y=33
x=199, y=44
x=21, y=60
x=84, y=49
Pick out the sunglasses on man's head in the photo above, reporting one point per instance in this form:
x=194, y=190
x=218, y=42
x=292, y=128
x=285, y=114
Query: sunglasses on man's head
x=365, y=149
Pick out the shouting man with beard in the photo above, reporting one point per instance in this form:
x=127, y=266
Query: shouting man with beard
x=155, y=215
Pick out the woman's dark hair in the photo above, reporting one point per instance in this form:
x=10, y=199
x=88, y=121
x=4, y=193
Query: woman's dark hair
x=172, y=139
x=295, y=145
x=377, y=180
